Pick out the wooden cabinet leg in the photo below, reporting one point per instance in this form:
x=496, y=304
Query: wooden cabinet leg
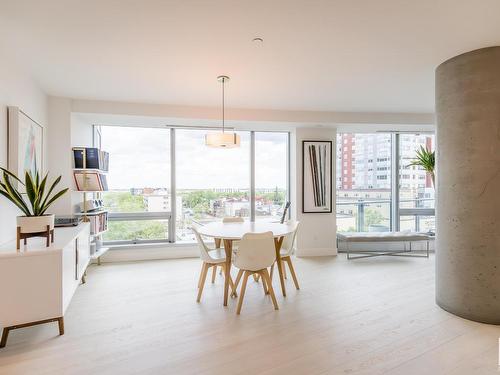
x=5, y=335
x=6, y=330
x=60, y=321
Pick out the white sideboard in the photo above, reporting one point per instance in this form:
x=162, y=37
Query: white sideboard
x=38, y=282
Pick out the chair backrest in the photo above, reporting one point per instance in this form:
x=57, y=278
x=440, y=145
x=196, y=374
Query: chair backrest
x=233, y=219
x=289, y=240
x=256, y=251
x=204, y=255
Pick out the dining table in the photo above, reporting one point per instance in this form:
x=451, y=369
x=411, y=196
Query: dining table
x=227, y=233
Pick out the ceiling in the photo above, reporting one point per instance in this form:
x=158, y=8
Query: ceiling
x=351, y=55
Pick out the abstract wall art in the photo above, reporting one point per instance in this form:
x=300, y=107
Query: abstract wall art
x=316, y=176
x=25, y=143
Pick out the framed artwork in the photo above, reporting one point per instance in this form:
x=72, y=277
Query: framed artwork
x=25, y=146
x=317, y=176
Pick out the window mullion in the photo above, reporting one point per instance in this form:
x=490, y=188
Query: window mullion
x=173, y=192
x=395, y=182
x=252, y=176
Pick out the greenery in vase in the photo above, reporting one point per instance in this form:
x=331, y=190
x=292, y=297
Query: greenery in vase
x=39, y=198
x=427, y=160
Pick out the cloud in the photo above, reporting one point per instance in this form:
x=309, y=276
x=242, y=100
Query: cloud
x=140, y=157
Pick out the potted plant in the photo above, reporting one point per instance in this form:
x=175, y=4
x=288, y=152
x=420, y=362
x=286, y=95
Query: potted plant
x=34, y=206
x=426, y=159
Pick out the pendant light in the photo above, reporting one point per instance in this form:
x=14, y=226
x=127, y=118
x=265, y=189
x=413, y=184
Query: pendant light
x=222, y=139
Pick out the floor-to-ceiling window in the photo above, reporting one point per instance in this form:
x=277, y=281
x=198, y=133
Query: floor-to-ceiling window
x=370, y=197
x=271, y=174
x=363, y=182
x=138, y=200
x=211, y=182
x=208, y=183
x=416, y=188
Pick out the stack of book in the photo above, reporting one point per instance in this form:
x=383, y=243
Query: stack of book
x=90, y=158
x=98, y=223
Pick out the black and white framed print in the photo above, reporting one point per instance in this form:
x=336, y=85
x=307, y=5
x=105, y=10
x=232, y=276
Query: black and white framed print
x=316, y=176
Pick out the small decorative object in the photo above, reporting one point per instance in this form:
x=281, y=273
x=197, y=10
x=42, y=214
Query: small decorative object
x=222, y=139
x=35, y=222
x=90, y=181
x=427, y=160
x=25, y=143
x=316, y=176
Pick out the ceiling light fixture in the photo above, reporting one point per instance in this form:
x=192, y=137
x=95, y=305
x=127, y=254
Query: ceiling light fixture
x=222, y=139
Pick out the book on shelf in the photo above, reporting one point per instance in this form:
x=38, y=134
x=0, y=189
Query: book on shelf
x=90, y=158
x=98, y=223
x=90, y=181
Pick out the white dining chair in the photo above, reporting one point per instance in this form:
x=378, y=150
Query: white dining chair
x=286, y=252
x=210, y=258
x=227, y=220
x=255, y=253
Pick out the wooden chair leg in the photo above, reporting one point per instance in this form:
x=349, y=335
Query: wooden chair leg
x=264, y=285
x=292, y=271
x=238, y=278
x=214, y=273
x=201, y=274
x=284, y=269
x=270, y=289
x=232, y=285
x=202, y=281
x=272, y=270
x=242, y=292
x=256, y=277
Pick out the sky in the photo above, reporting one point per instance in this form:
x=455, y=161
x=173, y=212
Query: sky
x=140, y=157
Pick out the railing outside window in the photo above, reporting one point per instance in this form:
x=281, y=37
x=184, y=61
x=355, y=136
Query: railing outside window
x=374, y=215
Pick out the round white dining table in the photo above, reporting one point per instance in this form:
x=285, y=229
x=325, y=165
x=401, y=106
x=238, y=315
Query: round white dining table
x=229, y=232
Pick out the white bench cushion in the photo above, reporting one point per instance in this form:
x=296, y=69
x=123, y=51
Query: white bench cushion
x=382, y=236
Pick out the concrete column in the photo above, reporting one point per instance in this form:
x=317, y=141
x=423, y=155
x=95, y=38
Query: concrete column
x=468, y=185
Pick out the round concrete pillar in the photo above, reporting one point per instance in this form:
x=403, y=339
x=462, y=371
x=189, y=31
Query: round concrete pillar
x=468, y=185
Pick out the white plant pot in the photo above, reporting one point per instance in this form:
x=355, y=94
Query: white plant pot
x=35, y=224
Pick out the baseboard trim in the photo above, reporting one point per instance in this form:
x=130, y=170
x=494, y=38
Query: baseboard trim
x=150, y=253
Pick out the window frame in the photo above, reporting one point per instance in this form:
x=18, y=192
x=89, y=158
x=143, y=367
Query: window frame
x=396, y=212
x=172, y=214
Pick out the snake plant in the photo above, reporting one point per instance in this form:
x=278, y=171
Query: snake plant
x=426, y=159
x=39, y=198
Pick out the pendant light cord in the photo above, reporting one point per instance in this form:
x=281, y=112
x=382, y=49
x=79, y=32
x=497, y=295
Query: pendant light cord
x=223, y=80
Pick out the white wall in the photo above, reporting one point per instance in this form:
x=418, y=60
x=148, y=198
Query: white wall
x=17, y=89
x=317, y=232
x=59, y=144
x=68, y=130
x=81, y=136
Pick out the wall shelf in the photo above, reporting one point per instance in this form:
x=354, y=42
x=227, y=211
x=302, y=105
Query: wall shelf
x=97, y=218
x=90, y=170
x=90, y=213
x=98, y=233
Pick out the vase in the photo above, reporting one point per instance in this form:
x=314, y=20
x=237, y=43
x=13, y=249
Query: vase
x=35, y=224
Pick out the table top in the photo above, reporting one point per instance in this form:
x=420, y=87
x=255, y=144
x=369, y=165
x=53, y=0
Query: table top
x=235, y=231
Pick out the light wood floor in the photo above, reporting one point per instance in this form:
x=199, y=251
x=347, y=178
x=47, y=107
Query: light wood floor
x=370, y=316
